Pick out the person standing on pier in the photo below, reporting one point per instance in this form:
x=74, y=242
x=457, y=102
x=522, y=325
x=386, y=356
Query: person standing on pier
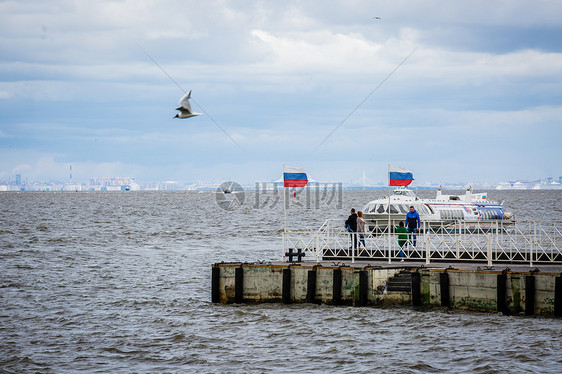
x=351, y=225
x=402, y=238
x=413, y=224
x=361, y=229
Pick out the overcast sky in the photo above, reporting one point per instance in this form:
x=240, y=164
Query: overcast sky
x=480, y=99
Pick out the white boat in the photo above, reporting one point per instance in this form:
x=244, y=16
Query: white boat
x=444, y=210
x=512, y=186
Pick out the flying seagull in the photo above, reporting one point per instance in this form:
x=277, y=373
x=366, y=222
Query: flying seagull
x=185, y=107
x=376, y=17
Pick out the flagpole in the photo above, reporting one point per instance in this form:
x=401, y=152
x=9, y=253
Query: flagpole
x=285, y=216
x=296, y=178
x=388, y=227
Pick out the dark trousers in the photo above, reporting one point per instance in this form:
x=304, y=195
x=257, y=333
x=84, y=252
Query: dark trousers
x=413, y=231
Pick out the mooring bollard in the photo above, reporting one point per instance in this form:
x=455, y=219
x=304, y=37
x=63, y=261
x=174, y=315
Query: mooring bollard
x=299, y=254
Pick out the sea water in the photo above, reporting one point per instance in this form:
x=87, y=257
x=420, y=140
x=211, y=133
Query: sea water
x=120, y=282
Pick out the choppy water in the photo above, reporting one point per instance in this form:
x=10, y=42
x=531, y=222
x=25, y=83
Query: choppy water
x=120, y=282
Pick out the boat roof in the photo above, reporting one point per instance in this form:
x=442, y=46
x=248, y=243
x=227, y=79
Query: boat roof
x=406, y=195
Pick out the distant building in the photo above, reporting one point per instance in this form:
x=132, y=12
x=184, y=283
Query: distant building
x=113, y=184
x=170, y=186
x=72, y=187
x=18, y=179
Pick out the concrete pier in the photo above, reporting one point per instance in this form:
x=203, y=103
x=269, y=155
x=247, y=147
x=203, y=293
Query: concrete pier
x=514, y=290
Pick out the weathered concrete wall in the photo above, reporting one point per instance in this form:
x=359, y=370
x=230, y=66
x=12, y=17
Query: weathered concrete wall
x=474, y=290
x=544, y=297
x=477, y=290
x=264, y=283
x=471, y=290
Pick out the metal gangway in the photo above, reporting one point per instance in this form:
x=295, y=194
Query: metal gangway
x=483, y=241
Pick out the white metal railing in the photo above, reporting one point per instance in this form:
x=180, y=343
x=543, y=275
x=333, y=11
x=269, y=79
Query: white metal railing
x=487, y=241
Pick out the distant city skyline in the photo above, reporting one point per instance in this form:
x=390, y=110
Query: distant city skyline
x=119, y=183
x=325, y=88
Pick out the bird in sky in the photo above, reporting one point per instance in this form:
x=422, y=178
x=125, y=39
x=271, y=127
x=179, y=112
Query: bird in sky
x=185, y=107
x=376, y=17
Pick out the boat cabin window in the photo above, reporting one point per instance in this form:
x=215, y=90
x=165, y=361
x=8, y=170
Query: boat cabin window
x=422, y=209
x=451, y=214
x=397, y=209
x=491, y=214
x=454, y=198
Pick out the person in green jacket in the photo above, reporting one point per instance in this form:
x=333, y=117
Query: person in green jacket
x=402, y=237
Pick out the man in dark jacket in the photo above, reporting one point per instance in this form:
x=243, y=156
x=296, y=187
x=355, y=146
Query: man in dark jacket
x=413, y=224
x=351, y=225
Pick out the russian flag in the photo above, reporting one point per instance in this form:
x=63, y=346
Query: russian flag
x=398, y=176
x=294, y=177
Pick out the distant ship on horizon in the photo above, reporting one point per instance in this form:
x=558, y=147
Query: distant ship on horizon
x=533, y=185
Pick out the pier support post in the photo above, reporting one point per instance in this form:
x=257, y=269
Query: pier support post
x=500, y=289
x=529, y=295
x=286, y=290
x=239, y=285
x=215, y=284
x=444, y=284
x=336, y=287
x=558, y=296
x=416, y=289
x=311, y=287
x=363, y=287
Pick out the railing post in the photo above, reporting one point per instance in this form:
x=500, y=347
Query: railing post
x=489, y=248
x=533, y=243
x=458, y=240
x=389, y=244
x=284, y=247
x=317, y=247
x=426, y=244
x=329, y=236
x=497, y=238
x=353, y=238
